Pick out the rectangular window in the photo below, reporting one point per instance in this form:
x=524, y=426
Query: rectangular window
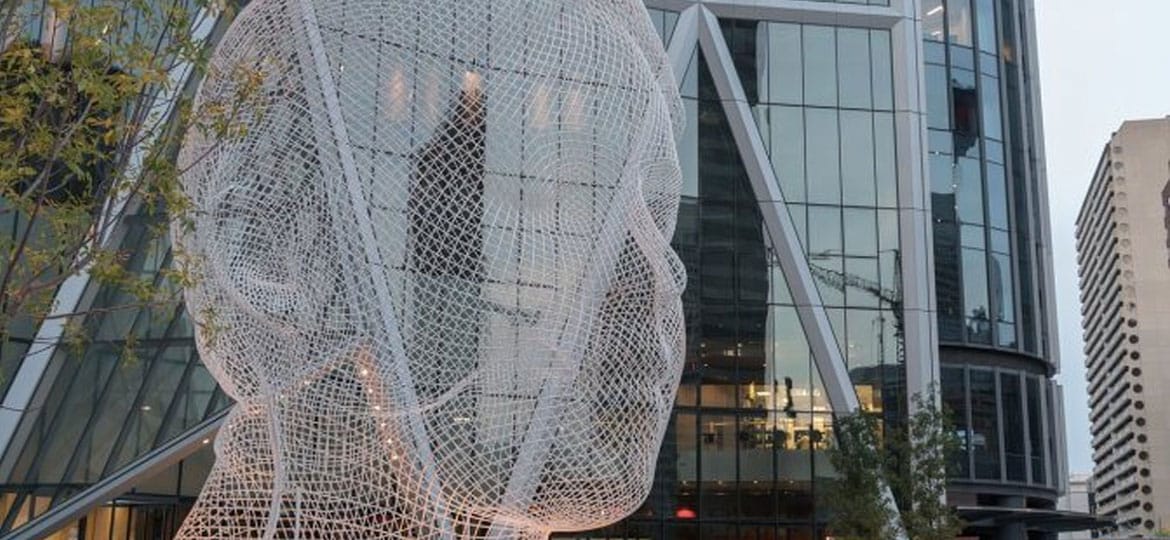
x=883, y=69
x=857, y=159
x=986, y=21
x=989, y=96
x=1013, y=427
x=933, y=20
x=786, y=127
x=820, y=65
x=886, y=157
x=959, y=22
x=1035, y=431
x=822, y=145
x=853, y=68
x=937, y=99
x=975, y=296
x=784, y=69
x=954, y=399
x=985, y=424
x=969, y=192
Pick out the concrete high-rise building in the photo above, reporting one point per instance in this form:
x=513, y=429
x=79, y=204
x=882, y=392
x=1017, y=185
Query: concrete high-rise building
x=864, y=217
x=1123, y=253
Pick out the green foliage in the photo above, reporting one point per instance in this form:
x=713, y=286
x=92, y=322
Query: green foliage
x=94, y=100
x=853, y=496
x=911, y=459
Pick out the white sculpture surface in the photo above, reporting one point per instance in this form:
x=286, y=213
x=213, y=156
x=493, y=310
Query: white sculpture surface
x=436, y=272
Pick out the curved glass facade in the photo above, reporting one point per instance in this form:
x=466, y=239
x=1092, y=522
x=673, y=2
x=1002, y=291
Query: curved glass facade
x=989, y=249
x=983, y=177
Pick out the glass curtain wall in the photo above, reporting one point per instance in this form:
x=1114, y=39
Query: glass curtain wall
x=746, y=446
x=135, y=383
x=982, y=177
x=1000, y=418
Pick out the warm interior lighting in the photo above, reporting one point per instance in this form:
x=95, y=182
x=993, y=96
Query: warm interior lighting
x=685, y=513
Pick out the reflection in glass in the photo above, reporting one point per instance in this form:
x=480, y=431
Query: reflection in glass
x=954, y=399
x=992, y=119
x=933, y=20
x=969, y=193
x=853, y=68
x=997, y=198
x=975, y=296
x=937, y=98
x=1013, y=427
x=824, y=155
x=959, y=22
x=686, y=459
x=1003, y=299
x=781, y=67
x=820, y=65
x=717, y=464
x=786, y=127
x=984, y=424
x=857, y=159
x=1035, y=431
x=885, y=157
x=986, y=22
x=860, y=232
x=883, y=70
x=964, y=109
x=947, y=278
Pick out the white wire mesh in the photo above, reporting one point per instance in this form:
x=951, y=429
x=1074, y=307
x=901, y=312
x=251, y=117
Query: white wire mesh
x=437, y=268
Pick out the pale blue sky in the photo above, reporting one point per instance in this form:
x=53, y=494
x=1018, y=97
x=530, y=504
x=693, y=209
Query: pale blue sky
x=1101, y=62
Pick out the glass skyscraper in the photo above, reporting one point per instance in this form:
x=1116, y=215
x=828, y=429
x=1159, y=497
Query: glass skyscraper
x=864, y=217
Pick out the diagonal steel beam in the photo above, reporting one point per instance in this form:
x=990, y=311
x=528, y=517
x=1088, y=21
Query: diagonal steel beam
x=683, y=42
x=777, y=221
x=122, y=481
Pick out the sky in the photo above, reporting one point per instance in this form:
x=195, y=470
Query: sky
x=1101, y=63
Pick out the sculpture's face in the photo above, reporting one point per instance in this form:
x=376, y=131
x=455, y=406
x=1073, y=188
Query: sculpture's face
x=439, y=260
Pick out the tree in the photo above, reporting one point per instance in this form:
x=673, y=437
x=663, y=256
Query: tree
x=913, y=459
x=852, y=497
x=94, y=99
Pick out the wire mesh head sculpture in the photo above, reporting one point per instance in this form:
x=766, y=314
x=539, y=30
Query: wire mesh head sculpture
x=439, y=267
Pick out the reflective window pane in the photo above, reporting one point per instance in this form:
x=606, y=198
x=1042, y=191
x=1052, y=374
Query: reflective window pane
x=857, y=159
x=786, y=127
x=969, y=193
x=853, y=68
x=883, y=69
x=820, y=65
x=985, y=425
x=860, y=232
x=933, y=20
x=964, y=108
x=992, y=120
x=986, y=23
x=959, y=22
x=823, y=149
x=975, y=296
x=1013, y=427
x=824, y=232
x=1035, y=431
x=784, y=70
x=954, y=399
x=937, y=97
x=885, y=157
